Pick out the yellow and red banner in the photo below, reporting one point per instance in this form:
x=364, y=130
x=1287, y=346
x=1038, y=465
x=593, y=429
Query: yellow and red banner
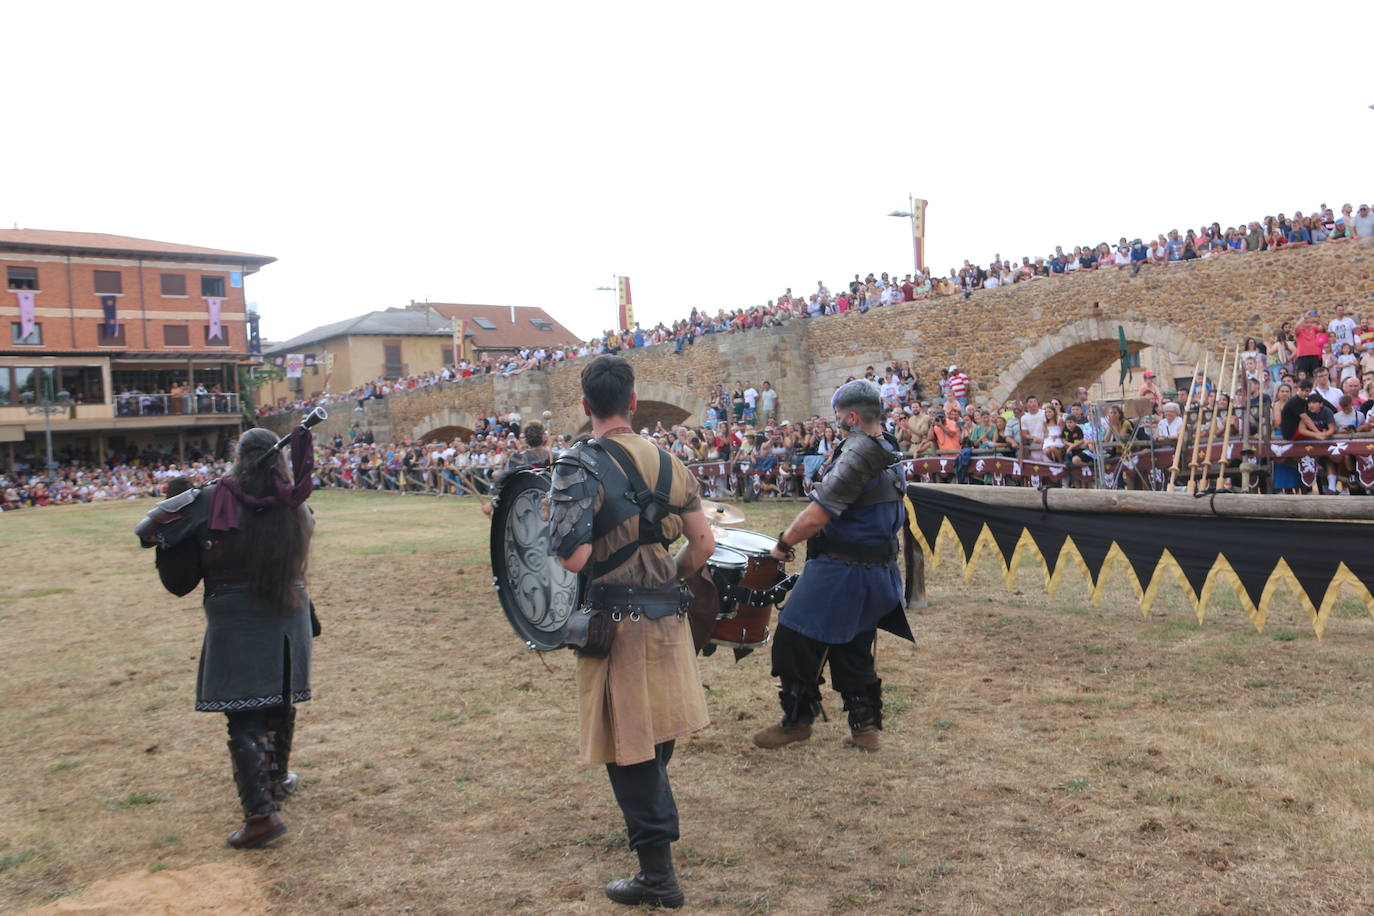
x=627, y=309
x=918, y=232
x=459, y=331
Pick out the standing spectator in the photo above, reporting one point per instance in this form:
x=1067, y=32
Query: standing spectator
x=1309, y=339
x=958, y=385
x=1341, y=328
x=751, y=400
x=1363, y=223
x=768, y=404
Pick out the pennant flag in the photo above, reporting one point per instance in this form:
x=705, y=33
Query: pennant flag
x=109, y=306
x=25, y=313
x=627, y=309
x=295, y=364
x=1253, y=554
x=459, y=330
x=213, y=305
x=328, y=368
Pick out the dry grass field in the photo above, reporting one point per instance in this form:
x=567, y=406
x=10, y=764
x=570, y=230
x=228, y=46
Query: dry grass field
x=1041, y=756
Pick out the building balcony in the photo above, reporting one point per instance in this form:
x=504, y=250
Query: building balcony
x=166, y=405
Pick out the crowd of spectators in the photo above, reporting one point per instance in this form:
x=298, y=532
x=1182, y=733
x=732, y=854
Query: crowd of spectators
x=862, y=294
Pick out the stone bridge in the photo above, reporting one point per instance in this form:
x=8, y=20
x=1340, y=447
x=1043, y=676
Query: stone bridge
x=1044, y=337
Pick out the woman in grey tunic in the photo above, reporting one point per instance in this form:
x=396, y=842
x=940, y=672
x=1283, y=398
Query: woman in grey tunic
x=247, y=536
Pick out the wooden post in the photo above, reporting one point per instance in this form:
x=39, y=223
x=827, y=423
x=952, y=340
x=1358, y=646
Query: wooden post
x=915, y=570
x=1212, y=425
x=1230, y=411
x=1197, y=430
x=1183, y=427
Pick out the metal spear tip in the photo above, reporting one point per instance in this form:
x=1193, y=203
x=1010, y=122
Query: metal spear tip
x=901, y=213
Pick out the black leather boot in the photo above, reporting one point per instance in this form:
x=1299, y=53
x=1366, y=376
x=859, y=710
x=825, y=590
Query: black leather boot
x=283, y=729
x=865, y=717
x=655, y=884
x=262, y=822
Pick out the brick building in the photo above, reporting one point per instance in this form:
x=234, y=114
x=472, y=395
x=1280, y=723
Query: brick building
x=131, y=329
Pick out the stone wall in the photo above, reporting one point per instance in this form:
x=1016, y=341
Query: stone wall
x=1042, y=337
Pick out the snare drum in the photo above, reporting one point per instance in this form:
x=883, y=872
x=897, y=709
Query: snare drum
x=750, y=583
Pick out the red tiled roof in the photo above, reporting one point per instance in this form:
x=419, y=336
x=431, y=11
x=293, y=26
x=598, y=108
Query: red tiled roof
x=508, y=335
x=53, y=239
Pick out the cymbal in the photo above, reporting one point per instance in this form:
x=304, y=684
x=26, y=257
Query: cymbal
x=721, y=514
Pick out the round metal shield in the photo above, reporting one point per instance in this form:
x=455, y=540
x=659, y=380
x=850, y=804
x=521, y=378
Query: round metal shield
x=537, y=593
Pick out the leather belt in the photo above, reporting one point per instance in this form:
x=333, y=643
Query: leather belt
x=854, y=560
x=652, y=603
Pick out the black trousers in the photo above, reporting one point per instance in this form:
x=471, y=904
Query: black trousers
x=799, y=660
x=646, y=799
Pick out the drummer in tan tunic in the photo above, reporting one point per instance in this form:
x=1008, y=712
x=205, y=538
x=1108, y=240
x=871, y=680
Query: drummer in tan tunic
x=617, y=502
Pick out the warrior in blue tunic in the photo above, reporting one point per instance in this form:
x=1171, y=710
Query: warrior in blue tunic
x=850, y=586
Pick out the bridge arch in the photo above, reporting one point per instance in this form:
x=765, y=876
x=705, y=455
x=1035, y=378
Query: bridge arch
x=660, y=402
x=443, y=425
x=1081, y=351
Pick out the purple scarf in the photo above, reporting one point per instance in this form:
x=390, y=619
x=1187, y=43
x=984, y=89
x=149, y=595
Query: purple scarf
x=224, y=507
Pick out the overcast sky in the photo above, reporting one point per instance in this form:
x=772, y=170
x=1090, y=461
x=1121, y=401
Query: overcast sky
x=715, y=153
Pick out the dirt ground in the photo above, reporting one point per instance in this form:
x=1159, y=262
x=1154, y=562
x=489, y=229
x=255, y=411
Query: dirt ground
x=1040, y=756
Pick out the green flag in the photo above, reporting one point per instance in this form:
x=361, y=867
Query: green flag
x=1125, y=355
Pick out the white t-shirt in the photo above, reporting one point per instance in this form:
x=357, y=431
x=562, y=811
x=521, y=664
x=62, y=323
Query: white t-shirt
x=751, y=397
x=769, y=397
x=1331, y=395
x=991, y=282
x=1168, y=429
x=1342, y=331
x=1033, y=424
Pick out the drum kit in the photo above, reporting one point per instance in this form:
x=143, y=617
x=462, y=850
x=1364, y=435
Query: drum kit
x=538, y=595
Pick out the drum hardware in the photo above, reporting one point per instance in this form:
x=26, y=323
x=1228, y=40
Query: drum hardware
x=721, y=513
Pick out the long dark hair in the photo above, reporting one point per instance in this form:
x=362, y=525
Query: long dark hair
x=275, y=541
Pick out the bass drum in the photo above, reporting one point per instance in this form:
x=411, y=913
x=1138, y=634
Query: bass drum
x=537, y=593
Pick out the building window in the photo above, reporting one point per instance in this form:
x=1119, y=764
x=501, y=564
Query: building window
x=448, y=356
x=35, y=338
x=6, y=385
x=173, y=284
x=23, y=277
x=222, y=340
x=111, y=340
x=176, y=335
x=212, y=287
x=109, y=281
x=484, y=323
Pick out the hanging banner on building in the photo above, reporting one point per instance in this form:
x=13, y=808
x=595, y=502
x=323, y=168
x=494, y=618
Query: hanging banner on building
x=254, y=339
x=295, y=363
x=111, y=309
x=459, y=330
x=328, y=368
x=627, y=308
x=213, y=305
x=236, y=279
x=25, y=313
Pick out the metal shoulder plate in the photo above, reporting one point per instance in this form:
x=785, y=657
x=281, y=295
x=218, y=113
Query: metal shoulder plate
x=573, y=497
x=861, y=459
